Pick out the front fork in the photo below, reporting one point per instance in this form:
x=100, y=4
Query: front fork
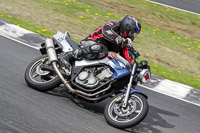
x=129, y=85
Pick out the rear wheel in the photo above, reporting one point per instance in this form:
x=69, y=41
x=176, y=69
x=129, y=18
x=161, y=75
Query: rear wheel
x=39, y=79
x=124, y=117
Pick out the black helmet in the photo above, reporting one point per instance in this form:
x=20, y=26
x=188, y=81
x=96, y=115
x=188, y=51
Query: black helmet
x=129, y=27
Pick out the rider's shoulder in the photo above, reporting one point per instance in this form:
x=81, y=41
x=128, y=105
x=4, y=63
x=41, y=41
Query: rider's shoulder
x=112, y=23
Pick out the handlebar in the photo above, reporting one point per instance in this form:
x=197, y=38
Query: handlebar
x=134, y=52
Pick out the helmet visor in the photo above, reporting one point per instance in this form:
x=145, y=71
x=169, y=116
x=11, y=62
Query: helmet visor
x=132, y=35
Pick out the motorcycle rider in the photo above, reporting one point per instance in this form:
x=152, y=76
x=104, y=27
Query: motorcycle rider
x=112, y=36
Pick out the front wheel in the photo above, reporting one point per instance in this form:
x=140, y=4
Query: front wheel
x=124, y=117
x=39, y=79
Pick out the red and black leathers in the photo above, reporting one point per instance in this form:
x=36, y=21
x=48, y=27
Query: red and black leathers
x=108, y=34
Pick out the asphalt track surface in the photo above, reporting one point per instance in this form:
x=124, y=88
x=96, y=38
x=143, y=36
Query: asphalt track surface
x=189, y=5
x=24, y=110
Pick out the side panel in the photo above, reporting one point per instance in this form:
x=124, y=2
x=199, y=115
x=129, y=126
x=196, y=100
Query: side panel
x=105, y=60
x=117, y=74
x=119, y=58
x=92, y=62
x=59, y=37
x=118, y=65
x=86, y=63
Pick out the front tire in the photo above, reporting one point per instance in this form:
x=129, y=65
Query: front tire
x=39, y=79
x=133, y=114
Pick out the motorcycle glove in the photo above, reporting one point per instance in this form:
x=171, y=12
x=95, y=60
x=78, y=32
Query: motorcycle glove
x=127, y=43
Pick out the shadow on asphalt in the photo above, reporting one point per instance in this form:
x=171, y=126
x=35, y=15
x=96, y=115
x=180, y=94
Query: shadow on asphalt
x=97, y=108
x=151, y=124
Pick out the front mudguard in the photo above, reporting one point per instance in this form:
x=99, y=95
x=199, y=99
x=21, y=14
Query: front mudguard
x=133, y=90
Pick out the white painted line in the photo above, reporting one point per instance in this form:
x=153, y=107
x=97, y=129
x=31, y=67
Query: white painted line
x=168, y=94
x=20, y=42
x=173, y=7
x=173, y=88
x=13, y=30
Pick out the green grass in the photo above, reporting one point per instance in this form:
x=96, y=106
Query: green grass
x=26, y=25
x=169, y=39
x=175, y=75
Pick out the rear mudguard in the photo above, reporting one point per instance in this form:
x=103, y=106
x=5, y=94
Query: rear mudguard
x=133, y=90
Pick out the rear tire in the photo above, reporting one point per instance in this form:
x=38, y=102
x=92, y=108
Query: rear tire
x=121, y=118
x=34, y=74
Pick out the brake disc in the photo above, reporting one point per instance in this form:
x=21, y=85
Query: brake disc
x=40, y=71
x=121, y=111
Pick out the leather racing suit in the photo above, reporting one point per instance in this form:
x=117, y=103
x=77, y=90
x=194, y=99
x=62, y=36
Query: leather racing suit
x=108, y=34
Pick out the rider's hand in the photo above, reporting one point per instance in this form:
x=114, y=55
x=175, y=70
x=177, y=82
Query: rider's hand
x=136, y=53
x=127, y=43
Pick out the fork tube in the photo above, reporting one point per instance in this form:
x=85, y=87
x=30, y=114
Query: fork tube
x=129, y=85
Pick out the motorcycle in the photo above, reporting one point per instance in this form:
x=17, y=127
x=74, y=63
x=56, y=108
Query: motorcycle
x=93, y=80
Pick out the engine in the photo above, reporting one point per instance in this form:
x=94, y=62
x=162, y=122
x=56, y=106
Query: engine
x=92, y=77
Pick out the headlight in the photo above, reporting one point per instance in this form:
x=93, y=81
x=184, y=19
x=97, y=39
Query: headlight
x=144, y=76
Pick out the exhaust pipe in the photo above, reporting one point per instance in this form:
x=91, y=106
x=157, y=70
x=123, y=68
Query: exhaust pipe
x=51, y=51
x=62, y=78
x=80, y=93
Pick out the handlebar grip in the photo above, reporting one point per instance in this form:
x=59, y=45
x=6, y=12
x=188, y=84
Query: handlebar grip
x=134, y=52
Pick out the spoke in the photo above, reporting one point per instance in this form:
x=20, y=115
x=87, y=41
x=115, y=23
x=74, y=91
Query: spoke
x=116, y=117
x=52, y=77
x=34, y=76
x=137, y=111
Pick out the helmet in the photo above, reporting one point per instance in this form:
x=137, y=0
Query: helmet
x=129, y=27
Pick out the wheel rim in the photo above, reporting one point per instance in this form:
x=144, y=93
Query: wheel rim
x=134, y=108
x=38, y=75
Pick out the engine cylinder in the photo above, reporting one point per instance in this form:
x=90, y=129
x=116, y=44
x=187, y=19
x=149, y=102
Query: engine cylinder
x=83, y=75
